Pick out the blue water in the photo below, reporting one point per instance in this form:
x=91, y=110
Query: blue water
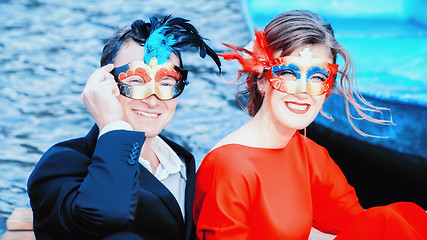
x=48, y=48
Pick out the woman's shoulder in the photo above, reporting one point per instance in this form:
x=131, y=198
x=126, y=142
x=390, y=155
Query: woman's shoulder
x=232, y=147
x=240, y=137
x=230, y=139
x=228, y=152
x=310, y=145
x=230, y=161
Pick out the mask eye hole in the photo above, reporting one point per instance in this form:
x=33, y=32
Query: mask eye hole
x=318, y=78
x=286, y=74
x=167, y=81
x=134, y=80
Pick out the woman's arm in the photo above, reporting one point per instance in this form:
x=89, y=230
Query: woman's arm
x=335, y=203
x=222, y=197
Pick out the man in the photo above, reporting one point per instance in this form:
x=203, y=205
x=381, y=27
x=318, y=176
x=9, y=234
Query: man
x=123, y=180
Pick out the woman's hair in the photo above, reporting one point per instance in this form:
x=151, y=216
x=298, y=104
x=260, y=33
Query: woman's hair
x=291, y=30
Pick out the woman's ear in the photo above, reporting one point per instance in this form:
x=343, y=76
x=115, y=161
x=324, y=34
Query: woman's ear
x=328, y=94
x=263, y=84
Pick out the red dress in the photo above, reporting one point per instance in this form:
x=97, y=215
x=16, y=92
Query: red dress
x=256, y=193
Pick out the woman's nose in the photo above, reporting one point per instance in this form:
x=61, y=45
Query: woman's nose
x=302, y=84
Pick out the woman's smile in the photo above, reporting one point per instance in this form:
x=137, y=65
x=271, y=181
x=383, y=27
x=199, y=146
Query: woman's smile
x=298, y=108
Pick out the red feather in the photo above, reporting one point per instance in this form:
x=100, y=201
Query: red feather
x=261, y=51
x=259, y=58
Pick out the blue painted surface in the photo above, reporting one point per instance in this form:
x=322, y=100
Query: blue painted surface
x=387, y=41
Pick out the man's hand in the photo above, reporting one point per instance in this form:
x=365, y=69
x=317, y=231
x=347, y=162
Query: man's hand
x=100, y=97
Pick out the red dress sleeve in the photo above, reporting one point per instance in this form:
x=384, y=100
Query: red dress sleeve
x=400, y=220
x=335, y=203
x=222, y=197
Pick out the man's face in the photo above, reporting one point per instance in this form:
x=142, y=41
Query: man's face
x=149, y=115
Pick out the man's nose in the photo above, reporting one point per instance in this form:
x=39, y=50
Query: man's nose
x=151, y=100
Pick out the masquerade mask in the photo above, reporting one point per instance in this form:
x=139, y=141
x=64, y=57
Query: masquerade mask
x=155, y=75
x=138, y=80
x=286, y=74
x=302, y=74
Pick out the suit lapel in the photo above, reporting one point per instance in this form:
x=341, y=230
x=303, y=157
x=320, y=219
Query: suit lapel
x=150, y=183
x=189, y=194
x=188, y=158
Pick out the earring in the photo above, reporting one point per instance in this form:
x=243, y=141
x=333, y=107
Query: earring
x=260, y=89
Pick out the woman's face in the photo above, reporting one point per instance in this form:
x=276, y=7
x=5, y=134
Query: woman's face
x=149, y=115
x=294, y=111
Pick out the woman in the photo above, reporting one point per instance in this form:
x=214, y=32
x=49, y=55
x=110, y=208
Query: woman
x=266, y=180
x=123, y=180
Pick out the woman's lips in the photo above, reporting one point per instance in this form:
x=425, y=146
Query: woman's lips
x=298, y=108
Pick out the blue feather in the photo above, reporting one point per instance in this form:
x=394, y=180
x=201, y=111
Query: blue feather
x=159, y=45
x=170, y=35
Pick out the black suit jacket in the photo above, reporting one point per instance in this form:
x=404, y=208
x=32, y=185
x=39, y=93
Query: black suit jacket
x=88, y=188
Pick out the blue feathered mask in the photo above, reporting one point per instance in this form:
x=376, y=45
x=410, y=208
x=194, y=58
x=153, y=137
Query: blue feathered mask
x=170, y=35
